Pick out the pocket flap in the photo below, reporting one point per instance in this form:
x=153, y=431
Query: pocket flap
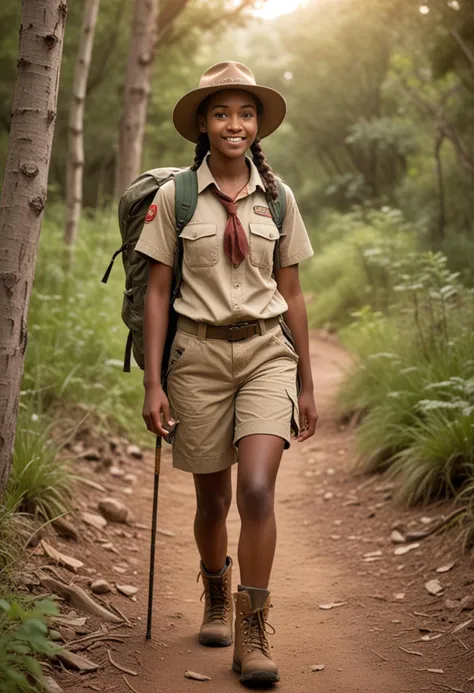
x=268, y=231
x=193, y=232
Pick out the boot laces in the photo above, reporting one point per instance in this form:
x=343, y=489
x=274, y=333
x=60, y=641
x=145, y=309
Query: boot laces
x=216, y=600
x=256, y=625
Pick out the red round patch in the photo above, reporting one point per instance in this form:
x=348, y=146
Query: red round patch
x=151, y=214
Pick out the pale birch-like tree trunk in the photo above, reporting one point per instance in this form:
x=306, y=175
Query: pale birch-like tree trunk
x=24, y=196
x=136, y=93
x=75, y=160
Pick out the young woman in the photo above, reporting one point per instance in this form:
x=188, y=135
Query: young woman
x=231, y=377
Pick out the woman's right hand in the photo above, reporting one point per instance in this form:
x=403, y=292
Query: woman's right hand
x=156, y=408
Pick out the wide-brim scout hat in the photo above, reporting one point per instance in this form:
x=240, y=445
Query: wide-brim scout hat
x=228, y=75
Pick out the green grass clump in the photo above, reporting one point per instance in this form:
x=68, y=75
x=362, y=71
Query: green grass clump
x=414, y=382
x=76, y=335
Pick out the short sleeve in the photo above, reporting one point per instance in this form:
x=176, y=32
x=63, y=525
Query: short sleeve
x=158, y=237
x=295, y=245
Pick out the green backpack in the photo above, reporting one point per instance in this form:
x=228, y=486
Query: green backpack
x=132, y=211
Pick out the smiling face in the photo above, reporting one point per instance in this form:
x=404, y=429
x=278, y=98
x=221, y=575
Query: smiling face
x=231, y=122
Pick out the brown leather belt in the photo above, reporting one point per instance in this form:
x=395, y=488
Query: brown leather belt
x=233, y=333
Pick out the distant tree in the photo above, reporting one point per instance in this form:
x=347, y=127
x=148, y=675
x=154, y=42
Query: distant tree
x=75, y=161
x=24, y=196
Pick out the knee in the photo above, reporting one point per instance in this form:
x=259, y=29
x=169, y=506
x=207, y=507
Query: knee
x=255, y=501
x=213, y=510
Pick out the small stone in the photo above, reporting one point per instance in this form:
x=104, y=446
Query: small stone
x=116, y=471
x=467, y=603
x=113, y=510
x=452, y=604
x=96, y=521
x=65, y=528
x=130, y=478
x=401, y=550
x=101, y=587
x=434, y=587
x=51, y=686
x=91, y=455
x=134, y=451
x=127, y=590
x=446, y=568
x=55, y=635
x=317, y=667
x=67, y=634
x=328, y=495
x=397, y=537
x=119, y=569
x=399, y=595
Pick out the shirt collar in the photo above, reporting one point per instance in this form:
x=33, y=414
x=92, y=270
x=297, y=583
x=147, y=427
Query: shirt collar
x=205, y=177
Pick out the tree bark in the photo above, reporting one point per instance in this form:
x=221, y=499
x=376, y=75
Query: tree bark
x=137, y=92
x=75, y=161
x=24, y=196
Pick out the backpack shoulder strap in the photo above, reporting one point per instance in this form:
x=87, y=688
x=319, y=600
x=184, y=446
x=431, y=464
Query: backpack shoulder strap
x=278, y=206
x=278, y=210
x=186, y=197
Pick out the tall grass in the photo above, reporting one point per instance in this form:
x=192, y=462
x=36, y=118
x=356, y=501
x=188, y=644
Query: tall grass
x=77, y=338
x=414, y=382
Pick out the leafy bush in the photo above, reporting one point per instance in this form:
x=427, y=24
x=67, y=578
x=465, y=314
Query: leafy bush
x=77, y=338
x=24, y=636
x=414, y=381
x=354, y=268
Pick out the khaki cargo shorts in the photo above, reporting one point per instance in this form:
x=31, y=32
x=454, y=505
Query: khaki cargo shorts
x=222, y=391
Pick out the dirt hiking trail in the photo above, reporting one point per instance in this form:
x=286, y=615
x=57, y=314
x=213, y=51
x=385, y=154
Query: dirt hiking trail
x=333, y=546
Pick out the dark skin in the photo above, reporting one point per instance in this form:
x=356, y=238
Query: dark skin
x=231, y=114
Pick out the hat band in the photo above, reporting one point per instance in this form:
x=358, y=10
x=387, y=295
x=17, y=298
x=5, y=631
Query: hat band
x=238, y=80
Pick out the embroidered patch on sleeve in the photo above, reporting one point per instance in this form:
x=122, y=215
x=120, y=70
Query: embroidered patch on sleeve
x=262, y=211
x=151, y=214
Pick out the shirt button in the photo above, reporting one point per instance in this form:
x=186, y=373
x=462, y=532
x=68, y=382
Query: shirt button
x=271, y=235
x=236, y=286
x=195, y=235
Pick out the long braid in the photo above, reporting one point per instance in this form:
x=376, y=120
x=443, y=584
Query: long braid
x=202, y=147
x=264, y=168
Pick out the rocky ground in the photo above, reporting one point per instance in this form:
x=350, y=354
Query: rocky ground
x=360, y=603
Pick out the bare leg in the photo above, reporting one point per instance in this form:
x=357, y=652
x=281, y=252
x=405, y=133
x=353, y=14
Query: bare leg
x=213, y=496
x=259, y=461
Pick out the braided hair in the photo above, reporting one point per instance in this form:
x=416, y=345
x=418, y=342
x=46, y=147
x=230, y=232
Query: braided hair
x=203, y=145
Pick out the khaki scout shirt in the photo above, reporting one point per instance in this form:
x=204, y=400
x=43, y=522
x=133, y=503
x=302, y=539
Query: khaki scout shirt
x=213, y=290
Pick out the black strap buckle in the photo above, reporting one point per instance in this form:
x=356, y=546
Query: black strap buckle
x=243, y=331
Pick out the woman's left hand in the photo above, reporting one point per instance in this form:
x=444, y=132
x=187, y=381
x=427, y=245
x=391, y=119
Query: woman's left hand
x=308, y=415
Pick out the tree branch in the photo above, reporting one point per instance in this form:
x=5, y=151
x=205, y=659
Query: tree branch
x=465, y=49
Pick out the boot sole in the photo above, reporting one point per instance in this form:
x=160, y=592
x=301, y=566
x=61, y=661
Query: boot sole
x=255, y=676
x=208, y=642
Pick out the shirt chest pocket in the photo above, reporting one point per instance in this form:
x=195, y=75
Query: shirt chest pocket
x=262, y=244
x=200, y=245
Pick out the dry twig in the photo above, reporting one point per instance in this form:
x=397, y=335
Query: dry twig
x=119, y=667
x=129, y=684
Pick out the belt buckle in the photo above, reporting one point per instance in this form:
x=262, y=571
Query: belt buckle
x=234, y=329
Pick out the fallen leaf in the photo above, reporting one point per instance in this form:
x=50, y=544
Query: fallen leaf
x=428, y=638
x=331, y=605
x=68, y=561
x=446, y=568
x=402, y=550
x=434, y=587
x=197, y=677
x=96, y=521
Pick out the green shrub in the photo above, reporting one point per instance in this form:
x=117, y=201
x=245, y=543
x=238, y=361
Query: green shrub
x=24, y=637
x=77, y=338
x=414, y=382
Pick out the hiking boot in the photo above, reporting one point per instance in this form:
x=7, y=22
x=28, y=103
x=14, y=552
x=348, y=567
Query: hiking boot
x=216, y=629
x=252, y=658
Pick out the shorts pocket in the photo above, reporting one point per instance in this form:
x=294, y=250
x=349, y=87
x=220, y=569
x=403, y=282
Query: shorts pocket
x=262, y=244
x=200, y=245
x=180, y=348
x=282, y=341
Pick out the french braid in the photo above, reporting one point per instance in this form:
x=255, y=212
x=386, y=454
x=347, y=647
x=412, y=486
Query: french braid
x=202, y=147
x=264, y=168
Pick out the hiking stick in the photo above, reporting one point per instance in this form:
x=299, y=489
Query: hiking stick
x=153, y=535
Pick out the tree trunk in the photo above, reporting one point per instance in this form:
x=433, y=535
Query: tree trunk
x=24, y=196
x=137, y=91
x=75, y=161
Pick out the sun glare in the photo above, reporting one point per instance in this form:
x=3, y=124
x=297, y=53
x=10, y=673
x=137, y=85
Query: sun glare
x=274, y=8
